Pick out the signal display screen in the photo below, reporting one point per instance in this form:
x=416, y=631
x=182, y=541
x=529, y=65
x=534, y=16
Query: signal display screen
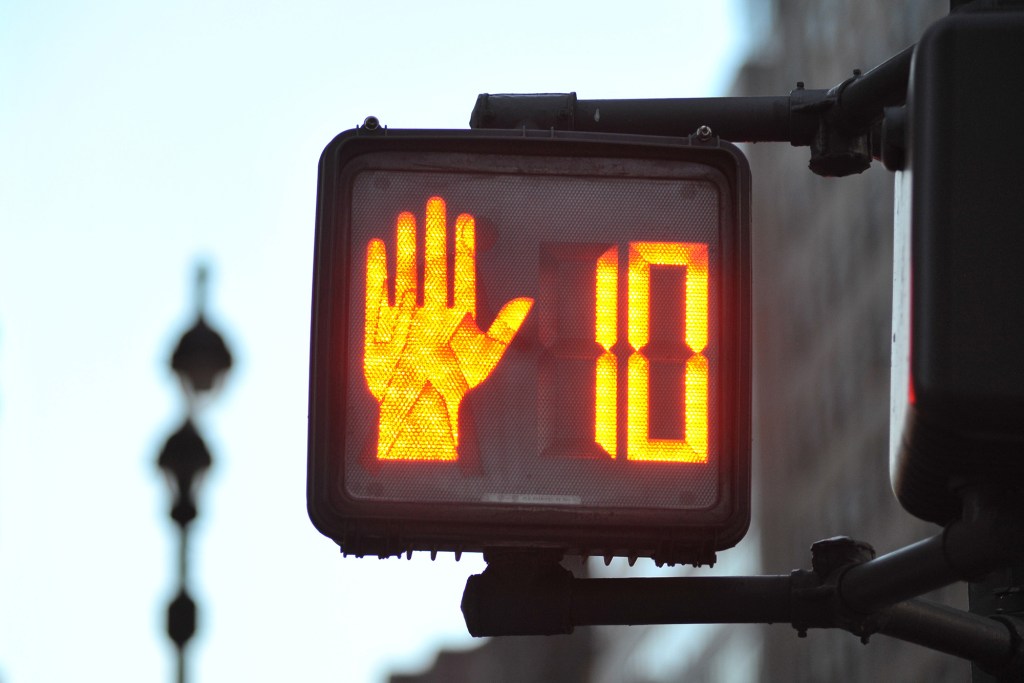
x=504, y=350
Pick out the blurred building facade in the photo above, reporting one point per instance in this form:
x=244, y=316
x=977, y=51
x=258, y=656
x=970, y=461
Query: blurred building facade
x=822, y=301
x=822, y=307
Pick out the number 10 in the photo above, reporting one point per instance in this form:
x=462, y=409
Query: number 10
x=693, y=447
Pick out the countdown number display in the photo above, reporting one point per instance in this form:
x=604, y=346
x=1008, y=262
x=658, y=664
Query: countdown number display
x=532, y=341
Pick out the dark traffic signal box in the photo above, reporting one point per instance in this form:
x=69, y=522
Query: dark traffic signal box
x=531, y=339
x=958, y=314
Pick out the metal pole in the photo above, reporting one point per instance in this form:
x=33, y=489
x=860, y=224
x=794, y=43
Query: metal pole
x=181, y=665
x=851, y=106
x=183, y=590
x=938, y=627
x=201, y=359
x=183, y=556
x=707, y=600
x=739, y=119
x=531, y=594
x=963, y=551
x=861, y=100
x=903, y=574
x=549, y=601
x=702, y=600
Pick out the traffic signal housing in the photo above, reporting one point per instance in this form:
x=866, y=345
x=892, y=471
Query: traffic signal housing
x=531, y=339
x=958, y=321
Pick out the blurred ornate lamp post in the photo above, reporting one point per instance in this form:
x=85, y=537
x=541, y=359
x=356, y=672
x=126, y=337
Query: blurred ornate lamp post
x=200, y=360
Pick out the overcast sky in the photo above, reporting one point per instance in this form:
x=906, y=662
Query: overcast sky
x=138, y=136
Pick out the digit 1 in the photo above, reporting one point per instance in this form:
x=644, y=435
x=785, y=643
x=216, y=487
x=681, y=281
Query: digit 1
x=693, y=447
x=605, y=332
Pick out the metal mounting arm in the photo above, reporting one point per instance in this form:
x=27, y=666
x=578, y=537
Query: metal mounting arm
x=557, y=602
x=836, y=123
x=526, y=593
x=738, y=119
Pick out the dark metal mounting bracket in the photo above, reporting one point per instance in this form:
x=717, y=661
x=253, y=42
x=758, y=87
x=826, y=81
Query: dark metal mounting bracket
x=840, y=125
x=527, y=593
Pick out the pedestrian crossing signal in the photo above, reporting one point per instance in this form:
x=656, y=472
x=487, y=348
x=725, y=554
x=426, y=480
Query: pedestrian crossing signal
x=531, y=340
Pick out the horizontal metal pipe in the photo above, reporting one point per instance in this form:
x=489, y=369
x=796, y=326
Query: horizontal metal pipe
x=945, y=629
x=739, y=119
x=682, y=600
x=861, y=102
x=963, y=551
x=551, y=600
x=897, y=576
x=852, y=106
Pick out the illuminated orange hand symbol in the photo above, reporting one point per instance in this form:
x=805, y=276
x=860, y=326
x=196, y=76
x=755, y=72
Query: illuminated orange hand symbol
x=421, y=360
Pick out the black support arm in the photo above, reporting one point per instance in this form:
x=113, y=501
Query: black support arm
x=738, y=119
x=523, y=593
x=837, y=124
x=514, y=601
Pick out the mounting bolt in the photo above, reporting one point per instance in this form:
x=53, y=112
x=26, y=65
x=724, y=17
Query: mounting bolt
x=1009, y=600
x=704, y=132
